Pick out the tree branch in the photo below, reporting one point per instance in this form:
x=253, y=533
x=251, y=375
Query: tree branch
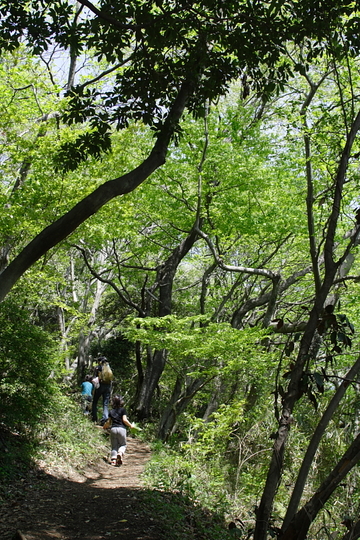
x=244, y=269
x=299, y=525
x=314, y=443
x=68, y=223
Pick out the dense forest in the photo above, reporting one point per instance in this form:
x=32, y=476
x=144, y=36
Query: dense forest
x=180, y=193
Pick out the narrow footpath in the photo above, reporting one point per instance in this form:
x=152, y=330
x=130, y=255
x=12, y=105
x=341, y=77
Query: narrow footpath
x=103, y=502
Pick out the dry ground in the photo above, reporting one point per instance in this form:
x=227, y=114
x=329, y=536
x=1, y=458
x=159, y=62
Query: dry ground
x=103, y=502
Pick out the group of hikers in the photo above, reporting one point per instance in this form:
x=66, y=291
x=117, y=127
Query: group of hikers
x=92, y=389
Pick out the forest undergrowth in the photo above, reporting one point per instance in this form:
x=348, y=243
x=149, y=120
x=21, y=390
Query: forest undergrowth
x=68, y=442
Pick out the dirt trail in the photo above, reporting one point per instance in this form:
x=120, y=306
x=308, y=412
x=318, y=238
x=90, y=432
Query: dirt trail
x=103, y=502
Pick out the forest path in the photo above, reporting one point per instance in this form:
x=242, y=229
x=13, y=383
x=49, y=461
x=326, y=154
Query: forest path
x=103, y=502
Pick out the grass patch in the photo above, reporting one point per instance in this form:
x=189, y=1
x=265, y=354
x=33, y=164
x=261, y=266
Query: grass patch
x=64, y=436
x=183, y=519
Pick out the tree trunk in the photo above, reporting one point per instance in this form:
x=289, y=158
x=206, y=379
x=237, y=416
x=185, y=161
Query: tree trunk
x=314, y=443
x=353, y=533
x=151, y=379
x=299, y=525
x=289, y=400
x=140, y=374
x=168, y=417
x=85, y=336
x=178, y=403
x=165, y=279
x=213, y=403
x=68, y=223
x=293, y=392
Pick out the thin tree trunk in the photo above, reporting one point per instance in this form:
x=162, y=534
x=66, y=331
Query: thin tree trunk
x=299, y=525
x=165, y=280
x=314, y=443
x=293, y=392
x=150, y=382
x=85, y=336
x=353, y=533
x=178, y=403
x=289, y=400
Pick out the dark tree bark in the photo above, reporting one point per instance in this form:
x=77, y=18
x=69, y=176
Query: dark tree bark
x=353, y=533
x=314, y=443
x=68, y=223
x=178, y=402
x=299, y=525
x=293, y=392
x=156, y=364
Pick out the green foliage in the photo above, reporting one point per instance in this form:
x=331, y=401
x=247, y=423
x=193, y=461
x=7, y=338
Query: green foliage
x=196, y=338
x=220, y=465
x=174, y=471
x=38, y=419
x=63, y=437
x=238, y=171
x=119, y=352
x=216, y=432
x=28, y=368
x=16, y=458
x=185, y=518
x=65, y=431
x=171, y=48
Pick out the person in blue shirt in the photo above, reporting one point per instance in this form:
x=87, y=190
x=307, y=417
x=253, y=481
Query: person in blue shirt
x=86, y=394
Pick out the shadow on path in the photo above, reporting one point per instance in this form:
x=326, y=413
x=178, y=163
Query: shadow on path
x=104, y=502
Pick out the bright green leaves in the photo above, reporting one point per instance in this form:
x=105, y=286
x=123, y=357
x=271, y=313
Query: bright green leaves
x=165, y=48
x=203, y=347
x=27, y=356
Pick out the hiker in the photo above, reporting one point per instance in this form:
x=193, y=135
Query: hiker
x=104, y=375
x=86, y=394
x=119, y=422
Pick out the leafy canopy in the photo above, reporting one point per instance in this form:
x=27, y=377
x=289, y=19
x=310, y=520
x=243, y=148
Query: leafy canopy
x=154, y=48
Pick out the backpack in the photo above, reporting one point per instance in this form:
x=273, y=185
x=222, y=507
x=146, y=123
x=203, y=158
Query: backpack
x=106, y=374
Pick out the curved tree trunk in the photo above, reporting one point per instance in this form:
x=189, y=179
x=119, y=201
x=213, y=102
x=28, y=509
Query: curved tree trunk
x=177, y=404
x=289, y=399
x=293, y=392
x=314, y=443
x=68, y=223
x=168, y=417
x=299, y=525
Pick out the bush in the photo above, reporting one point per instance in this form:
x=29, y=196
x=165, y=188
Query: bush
x=27, y=359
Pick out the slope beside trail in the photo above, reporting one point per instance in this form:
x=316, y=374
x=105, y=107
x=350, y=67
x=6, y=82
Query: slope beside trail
x=103, y=502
